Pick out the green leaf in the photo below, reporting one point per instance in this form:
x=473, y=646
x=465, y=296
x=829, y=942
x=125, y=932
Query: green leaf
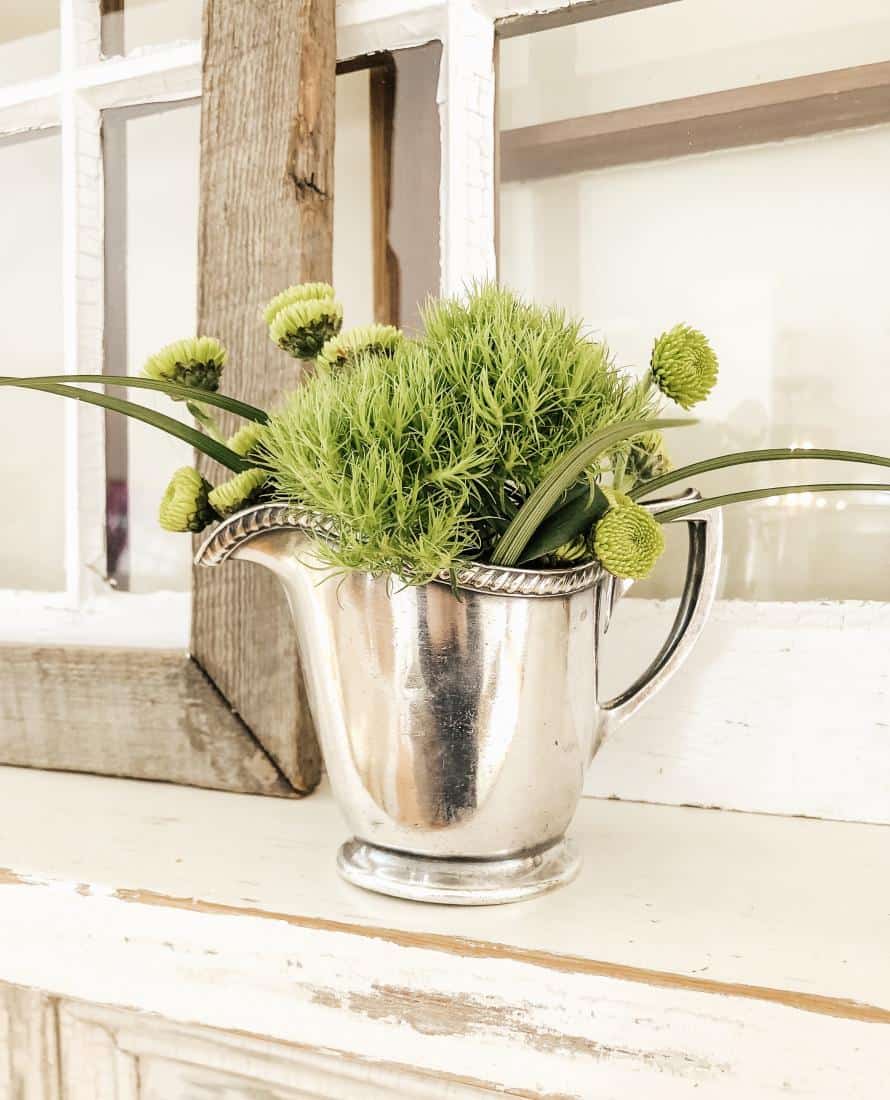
x=172, y=389
x=167, y=424
x=763, y=494
x=578, y=514
x=562, y=478
x=743, y=458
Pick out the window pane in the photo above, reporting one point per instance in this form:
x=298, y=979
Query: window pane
x=777, y=251
x=32, y=425
x=676, y=50
x=29, y=40
x=128, y=25
x=151, y=197
x=353, y=215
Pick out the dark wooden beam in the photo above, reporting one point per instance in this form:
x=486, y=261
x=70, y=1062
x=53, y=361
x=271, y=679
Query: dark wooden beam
x=773, y=111
x=386, y=267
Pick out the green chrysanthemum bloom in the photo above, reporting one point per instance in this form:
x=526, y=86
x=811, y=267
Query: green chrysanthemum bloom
x=196, y=362
x=302, y=329
x=684, y=365
x=238, y=491
x=185, y=505
x=341, y=350
x=245, y=439
x=628, y=540
x=302, y=292
x=571, y=553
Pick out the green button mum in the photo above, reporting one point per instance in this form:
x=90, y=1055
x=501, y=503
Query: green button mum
x=245, y=439
x=684, y=365
x=238, y=491
x=340, y=351
x=302, y=292
x=303, y=328
x=185, y=505
x=628, y=541
x=196, y=362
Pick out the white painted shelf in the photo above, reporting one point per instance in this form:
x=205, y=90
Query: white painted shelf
x=729, y=954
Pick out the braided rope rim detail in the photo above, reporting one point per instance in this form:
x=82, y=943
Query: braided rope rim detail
x=496, y=579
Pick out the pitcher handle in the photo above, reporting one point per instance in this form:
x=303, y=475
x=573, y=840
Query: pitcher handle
x=699, y=591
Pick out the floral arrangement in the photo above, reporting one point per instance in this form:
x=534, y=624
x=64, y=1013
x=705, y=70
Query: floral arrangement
x=503, y=433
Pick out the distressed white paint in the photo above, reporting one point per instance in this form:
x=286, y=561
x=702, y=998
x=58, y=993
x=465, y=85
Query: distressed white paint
x=775, y=902
x=142, y=1058
x=782, y=708
x=542, y=997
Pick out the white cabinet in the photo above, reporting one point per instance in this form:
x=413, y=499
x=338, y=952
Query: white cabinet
x=54, y=1049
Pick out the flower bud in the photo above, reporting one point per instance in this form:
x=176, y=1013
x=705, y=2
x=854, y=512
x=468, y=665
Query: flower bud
x=185, y=505
x=302, y=292
x=340, y=351
x=303, y=327
x=196, y=362
x=684, y=365
x=238, y=491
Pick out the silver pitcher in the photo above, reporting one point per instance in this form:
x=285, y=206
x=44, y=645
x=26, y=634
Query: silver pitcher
x=456, y=729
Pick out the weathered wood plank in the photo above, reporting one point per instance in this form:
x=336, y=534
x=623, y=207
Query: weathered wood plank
x=267, y=144
x=772, y=111
x=29, y=1066
x=145, y=714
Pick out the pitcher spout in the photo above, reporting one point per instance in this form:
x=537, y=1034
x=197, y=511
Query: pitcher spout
x=267, y=534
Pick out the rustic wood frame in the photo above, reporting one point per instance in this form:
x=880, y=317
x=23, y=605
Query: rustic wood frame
x=796, y=107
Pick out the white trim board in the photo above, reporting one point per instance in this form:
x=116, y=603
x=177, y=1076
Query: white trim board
x=781, y=708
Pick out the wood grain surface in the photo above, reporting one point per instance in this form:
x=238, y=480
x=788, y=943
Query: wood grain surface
x=128, y=712
x=266, y=220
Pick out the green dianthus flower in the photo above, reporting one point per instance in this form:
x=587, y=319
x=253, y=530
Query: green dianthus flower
x=628, y=540
x=302, y=292
x=185, y=505
x=684, y=365
x=303, y=328
x=196, y=362
x=238, y=491
x=245, y=439
x=341, y=350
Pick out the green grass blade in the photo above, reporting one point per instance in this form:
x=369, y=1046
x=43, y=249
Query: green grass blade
x=172, y=389
x=576, y=515
x=743, y=458
x=561, y=479
x=167, y=424
x=763, y=494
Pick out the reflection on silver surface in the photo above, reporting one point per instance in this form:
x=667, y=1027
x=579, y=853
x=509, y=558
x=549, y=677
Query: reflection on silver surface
x=457, y=726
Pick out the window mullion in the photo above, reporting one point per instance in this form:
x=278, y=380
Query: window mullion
x=468, y=147
x=82, y=280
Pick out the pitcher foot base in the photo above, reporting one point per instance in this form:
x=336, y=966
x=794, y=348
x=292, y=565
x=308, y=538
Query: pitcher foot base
x=457, y=881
